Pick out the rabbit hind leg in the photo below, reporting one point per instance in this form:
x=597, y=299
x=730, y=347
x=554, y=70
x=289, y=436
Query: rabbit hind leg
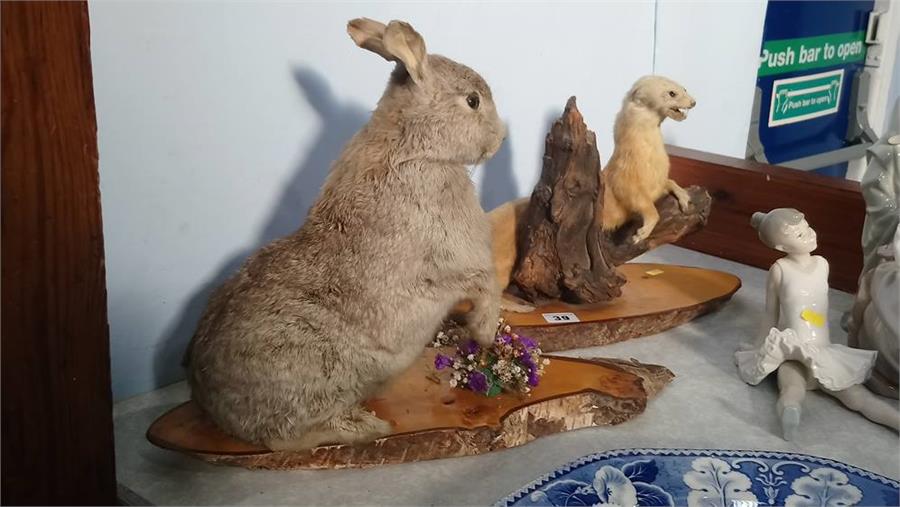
x=356, y=425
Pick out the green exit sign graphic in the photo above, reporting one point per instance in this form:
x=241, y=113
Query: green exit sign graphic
x=802, y=98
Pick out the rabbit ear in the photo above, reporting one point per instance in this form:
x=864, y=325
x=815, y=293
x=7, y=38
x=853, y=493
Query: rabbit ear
x=369, y=34
x=407, y=47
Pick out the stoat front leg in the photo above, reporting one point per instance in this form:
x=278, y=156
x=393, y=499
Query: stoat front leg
x=651, y=218
x=684, y=200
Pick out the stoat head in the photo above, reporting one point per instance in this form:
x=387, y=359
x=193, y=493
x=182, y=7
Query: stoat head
x=663, y=96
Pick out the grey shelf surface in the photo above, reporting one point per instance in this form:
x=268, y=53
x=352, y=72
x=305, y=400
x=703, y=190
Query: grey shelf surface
x=706, y=406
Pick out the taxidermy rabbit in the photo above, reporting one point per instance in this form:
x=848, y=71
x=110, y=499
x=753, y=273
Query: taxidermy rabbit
x=638, y=171
x=316, y=322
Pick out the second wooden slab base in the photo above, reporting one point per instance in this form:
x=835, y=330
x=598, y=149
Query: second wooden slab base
x=657, y=297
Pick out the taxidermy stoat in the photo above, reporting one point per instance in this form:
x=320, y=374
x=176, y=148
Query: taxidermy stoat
x=637, y=174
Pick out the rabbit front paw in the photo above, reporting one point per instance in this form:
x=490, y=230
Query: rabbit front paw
x=483, y=329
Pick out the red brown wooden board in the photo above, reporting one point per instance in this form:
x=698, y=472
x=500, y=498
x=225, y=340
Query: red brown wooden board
x=432, y=420
x=834, y=207
x=57, y=402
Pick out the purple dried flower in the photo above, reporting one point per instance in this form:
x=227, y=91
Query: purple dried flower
x=478, y=382
x=470, y=347
x=441, y=361
x=527, y=360
x=510, y=363
x=527, y=342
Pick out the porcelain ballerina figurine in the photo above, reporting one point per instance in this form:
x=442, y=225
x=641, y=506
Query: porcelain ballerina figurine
x=795, y=339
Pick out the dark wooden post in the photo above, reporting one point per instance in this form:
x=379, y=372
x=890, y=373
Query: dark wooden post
x=57, y=401
x=559, y=258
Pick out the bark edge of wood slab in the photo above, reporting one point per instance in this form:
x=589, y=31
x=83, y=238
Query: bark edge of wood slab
x=583, y=393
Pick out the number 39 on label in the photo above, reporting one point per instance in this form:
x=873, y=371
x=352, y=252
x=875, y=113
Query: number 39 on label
x=560, y=318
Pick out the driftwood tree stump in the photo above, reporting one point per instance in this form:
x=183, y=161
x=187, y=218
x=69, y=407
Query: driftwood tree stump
x=563, y=254
x=558, y=244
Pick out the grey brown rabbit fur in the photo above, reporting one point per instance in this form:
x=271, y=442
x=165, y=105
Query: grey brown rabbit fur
x=316, y=322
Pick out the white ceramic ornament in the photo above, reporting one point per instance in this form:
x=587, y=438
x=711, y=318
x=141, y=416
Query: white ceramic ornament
x=875, y=317
x=794, y=338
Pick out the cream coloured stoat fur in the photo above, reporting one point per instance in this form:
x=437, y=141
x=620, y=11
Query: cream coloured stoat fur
x=637, y=175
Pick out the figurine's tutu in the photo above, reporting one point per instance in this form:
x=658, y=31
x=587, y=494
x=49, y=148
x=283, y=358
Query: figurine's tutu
x=835, y=367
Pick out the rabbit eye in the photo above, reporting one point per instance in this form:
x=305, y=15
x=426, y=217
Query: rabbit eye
x=672, y=94
x=473, y=100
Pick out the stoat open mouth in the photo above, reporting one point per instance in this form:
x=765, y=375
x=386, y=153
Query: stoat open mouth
x=681, y=111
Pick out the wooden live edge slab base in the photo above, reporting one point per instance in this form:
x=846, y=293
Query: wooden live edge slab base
x=655, y=298
x=432, y=420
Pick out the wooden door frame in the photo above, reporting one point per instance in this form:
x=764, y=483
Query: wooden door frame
x=57, y=432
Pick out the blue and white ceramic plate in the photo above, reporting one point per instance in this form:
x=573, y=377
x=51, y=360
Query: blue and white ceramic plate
x=707, y=478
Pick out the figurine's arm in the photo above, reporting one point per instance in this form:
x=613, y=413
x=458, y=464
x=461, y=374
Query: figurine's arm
x=857, y=311
x=770, y=315
x=827, y=267
x=773, y=283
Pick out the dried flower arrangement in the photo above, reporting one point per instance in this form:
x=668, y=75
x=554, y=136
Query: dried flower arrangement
x=512, y=363
x=447, y=337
